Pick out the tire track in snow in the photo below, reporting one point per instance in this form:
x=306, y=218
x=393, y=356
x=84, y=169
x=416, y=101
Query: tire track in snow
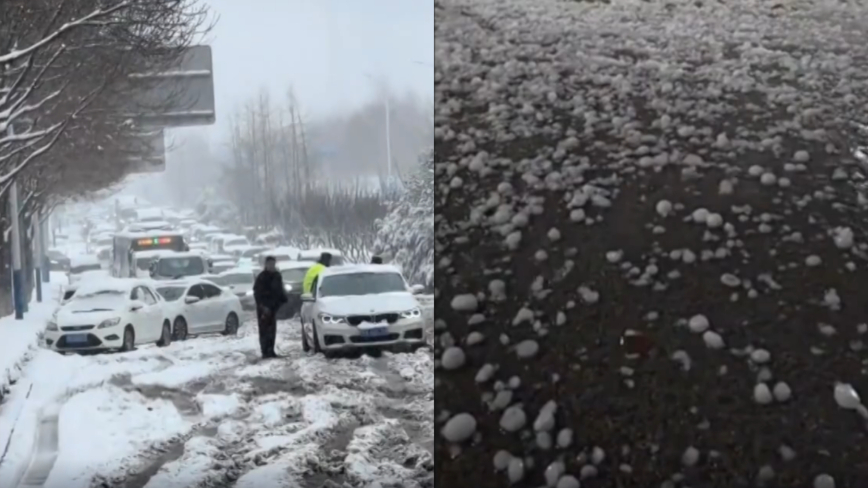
x=45, y=451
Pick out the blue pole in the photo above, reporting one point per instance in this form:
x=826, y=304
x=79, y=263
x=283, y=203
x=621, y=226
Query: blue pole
x=37, y=255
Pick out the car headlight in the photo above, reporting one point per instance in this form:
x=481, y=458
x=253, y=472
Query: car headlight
x=411, y=314
x=287, y=287
x=331, y=319
x=51, y=326
x=105, y=324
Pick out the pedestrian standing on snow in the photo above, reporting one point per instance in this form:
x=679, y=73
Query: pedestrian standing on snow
x=270, y=294
x=312, y=275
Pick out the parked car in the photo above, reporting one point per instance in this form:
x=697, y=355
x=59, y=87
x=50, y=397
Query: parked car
x=57, y=261
x=84, y=265
x=293, y=276
x=198, y=306
x=178, y=265
x=240, y=282
x=109, y=314
x=361, y=306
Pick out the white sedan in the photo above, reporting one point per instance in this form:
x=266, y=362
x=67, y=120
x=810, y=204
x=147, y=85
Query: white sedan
x=361, y=306
x=109, y=314
x=197, y=306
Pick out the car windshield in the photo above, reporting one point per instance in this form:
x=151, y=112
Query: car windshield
x=176, y=267
x=96, y=300
x=171, y=293
x=220, y=267
x=85, y=267
x=68, y=294
x=361, y=284
x=293, y=275
x=249, y=253
x=236, y=242
x=144, y=263
x=237, y=279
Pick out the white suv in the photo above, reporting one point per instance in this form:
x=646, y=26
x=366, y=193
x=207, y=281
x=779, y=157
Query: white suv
x=359, y=307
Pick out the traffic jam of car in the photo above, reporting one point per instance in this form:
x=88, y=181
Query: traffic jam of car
x=155, y=275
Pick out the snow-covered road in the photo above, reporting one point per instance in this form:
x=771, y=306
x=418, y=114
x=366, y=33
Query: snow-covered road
x=209, y=412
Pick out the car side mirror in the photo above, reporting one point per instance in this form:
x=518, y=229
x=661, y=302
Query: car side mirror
x=190, y=299
x=136, y=306
x=307, y=297
x=417, y=289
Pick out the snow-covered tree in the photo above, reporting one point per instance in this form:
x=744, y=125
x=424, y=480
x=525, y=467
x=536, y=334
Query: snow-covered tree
x=406, y=235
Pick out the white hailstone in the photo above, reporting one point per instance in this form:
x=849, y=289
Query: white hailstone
x=568, y=481
x=698, y=324
x=544, y=440
x=762, y=394
x=465, y=302
x=554, y=235
x=688, y=256
x=765, y=474
x=513, y=240
x=553, y=473
x=614, y=256
x=787, y=453
x=690, y=456
x=730, y=280
x=485, y=373
x=474, y=338
x=784, y=182
x=782, y=391
x=801, y=157
x=501, y=400
x=513, y=419
x=843, y=237
x=699, y=215
x=501, y=460
x=453, y=358
x=755, y=170
x=824, y=481
x=713, y=340
x=515, y=470
x=524, y=314
x=760, y=356
x=813, y=260
x=597, y=455
x=541, y=255
x=577, y=215
x=459, y=428
x=588, y=295
x=832, y=299
x=560, y=318
x=768, y=179
x=846, y=396
x=527, y=349
x=545, y=421
x=664, y=208
x=725, y=187
x=565, y=438
x=714, y=220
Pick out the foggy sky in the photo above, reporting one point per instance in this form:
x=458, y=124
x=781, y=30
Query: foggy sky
x=322, y=48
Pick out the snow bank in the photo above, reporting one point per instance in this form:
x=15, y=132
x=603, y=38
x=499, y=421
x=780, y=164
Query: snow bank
x=406, y=235
x=104, y=428
x=20, y=338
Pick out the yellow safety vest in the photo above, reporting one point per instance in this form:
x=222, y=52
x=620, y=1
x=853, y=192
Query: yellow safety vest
x=312, y=273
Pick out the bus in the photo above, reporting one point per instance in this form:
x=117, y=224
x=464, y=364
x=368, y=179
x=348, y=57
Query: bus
x=127, y=243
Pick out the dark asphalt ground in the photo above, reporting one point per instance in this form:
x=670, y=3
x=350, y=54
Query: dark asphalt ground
x=630, y=398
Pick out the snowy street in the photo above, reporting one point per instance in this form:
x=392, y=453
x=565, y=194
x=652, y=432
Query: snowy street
x=209, y=412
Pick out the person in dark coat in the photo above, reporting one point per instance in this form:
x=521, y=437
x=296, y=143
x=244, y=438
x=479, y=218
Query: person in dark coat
x=270, y=294
x=376, y=260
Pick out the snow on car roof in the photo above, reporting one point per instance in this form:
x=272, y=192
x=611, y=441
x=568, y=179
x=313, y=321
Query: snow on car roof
x=294, y=264
x=234, y=271
x=83, y=260
x=317, y=251
x=153, y=253
x=186, y=254
x=122, y=285
x=359, y=268
x=292, y=251
x=145, y=234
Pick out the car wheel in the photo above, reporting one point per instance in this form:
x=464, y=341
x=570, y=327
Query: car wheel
x=305, y=346
x=129, y=339
x=166, y=335
x=179, y=331
x=231, y=325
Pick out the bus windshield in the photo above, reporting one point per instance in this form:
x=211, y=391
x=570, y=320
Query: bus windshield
x=125, y=245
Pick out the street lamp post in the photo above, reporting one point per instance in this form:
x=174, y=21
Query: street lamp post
x=388, y=128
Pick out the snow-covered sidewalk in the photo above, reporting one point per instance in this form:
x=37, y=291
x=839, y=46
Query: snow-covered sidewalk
x=20, y=338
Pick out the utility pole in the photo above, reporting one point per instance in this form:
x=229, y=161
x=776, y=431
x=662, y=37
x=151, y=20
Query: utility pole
x=17, y=284
x=43, y=240
x=38, y=257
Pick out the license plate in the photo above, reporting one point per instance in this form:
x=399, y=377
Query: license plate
x=375, y=332
x=76, y=338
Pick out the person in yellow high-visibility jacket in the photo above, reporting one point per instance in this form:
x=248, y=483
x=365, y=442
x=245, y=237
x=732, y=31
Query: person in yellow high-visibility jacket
x=312, y=275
